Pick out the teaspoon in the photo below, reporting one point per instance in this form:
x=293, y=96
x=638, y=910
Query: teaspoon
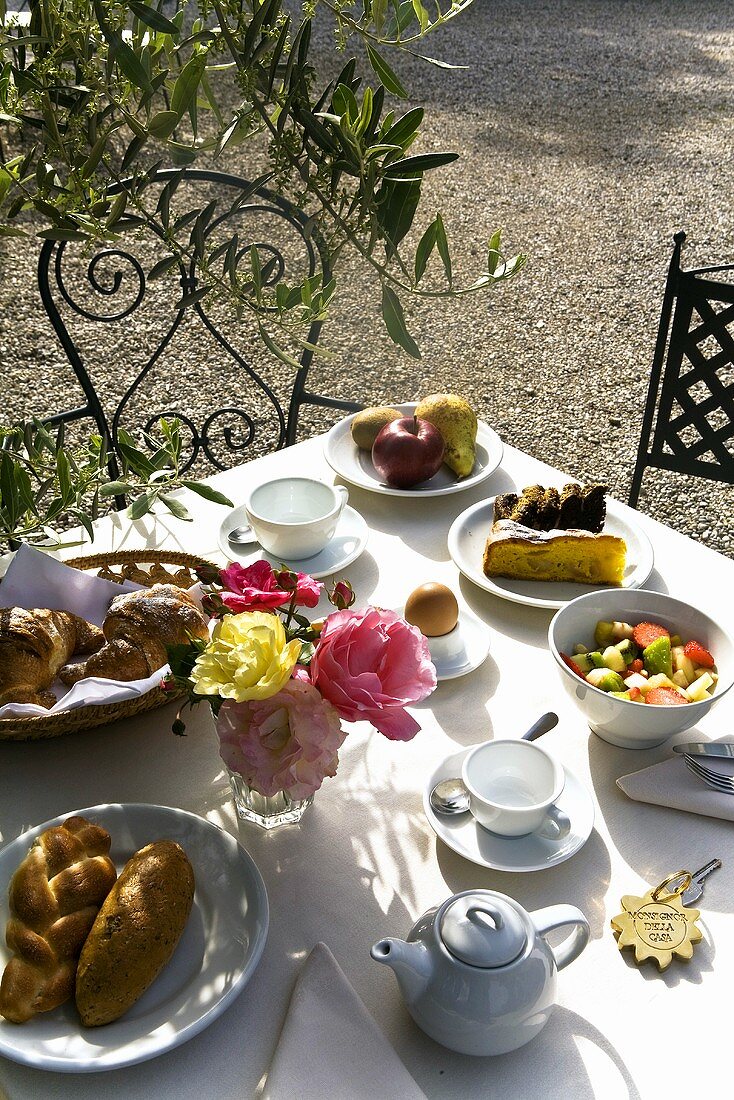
x=242, y=535
x=450, y=796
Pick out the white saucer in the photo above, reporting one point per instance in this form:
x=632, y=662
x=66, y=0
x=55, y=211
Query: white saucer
x=350, y=539
x=521, y=853
x=463, y=654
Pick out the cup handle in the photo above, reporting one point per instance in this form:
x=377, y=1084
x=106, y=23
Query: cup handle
x=344, y=494
x=558, y=916
x=556, y=824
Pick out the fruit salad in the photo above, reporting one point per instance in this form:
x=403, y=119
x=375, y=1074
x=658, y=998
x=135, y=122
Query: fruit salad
x=645, y=664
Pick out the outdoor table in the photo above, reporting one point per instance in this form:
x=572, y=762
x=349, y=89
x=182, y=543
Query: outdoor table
x=364, y=862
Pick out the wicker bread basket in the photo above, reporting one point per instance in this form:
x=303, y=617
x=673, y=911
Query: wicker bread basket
x=146, y=567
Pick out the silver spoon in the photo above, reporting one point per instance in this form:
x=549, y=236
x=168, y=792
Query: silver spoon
x=242, y=535
x=450, y=796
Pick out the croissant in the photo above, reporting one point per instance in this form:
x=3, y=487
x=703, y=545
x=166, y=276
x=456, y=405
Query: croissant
x=138, y=627
x=33, y=647
x=55, y=896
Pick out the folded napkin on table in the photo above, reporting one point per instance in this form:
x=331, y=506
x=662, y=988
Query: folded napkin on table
x=330, y=1046
x=671, y=784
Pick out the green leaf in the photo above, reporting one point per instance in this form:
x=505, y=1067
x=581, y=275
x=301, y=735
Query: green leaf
x=153, y=18
x=142, y=505
x=443, y=247
x=192, y=297
x=397, y=204
x=114, y=488
x=162, y=266
x=208, y=493
x=389, y=79
x=62, y=235
x=187, y=83
x=404, y=130
x=421, y=15
x=163, y=124
x=494, y=254
x=126, y=58
x=424, y=250
x=422, y=162
x=181, y=155
x=392, y=313
x=175, y=507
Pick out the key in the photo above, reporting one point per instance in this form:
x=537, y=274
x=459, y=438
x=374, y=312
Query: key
x=694, y=891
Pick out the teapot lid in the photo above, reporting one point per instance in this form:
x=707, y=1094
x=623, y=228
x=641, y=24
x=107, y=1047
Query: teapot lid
x=483, y=929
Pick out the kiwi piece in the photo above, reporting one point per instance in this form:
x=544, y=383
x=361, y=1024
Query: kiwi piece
x=367, y=424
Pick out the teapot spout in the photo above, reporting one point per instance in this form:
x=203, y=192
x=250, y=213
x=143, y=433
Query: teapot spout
x=409, y=961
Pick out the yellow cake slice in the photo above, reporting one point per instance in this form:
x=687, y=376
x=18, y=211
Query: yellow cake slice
x=522, y=553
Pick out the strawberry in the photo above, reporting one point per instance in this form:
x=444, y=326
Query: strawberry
x=636, y=666
x=572, y=665
x=645, y=633
x=665, y=697
x=700, y=656
x=636, y=695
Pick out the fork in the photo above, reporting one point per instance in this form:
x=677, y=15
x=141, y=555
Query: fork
x=716, y=780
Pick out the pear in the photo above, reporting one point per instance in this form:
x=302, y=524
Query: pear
x=368, y=424
x=457, y=422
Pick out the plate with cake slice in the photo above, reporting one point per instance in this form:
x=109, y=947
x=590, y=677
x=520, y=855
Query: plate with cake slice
x=545, y=546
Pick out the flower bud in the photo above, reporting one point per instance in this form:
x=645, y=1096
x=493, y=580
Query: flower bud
x=287, y=580
x=342, y=596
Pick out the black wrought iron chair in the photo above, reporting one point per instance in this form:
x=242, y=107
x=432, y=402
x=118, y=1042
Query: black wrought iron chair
x=264, y=415
x=690, y=398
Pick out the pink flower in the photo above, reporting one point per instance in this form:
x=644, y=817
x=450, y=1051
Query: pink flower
x=342, y=595
x=256, y=587
x=370, y=664
x=288, y=742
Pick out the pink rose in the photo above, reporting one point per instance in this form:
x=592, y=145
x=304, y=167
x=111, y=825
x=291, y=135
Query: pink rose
x=256, y=587
x=370, y=664
x=288, y=742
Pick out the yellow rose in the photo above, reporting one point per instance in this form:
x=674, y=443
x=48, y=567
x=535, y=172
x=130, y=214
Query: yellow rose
x=247, y=658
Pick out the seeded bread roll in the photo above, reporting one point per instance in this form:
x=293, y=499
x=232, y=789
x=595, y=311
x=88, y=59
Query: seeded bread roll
x=135, y=933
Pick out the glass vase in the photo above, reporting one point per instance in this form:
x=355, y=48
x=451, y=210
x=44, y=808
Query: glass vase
x=266, y=811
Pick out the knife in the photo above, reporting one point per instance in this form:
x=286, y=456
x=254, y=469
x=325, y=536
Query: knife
x=706, y=748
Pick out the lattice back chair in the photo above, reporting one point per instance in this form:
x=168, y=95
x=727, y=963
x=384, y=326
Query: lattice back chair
x=157, y=358
x=690, y=398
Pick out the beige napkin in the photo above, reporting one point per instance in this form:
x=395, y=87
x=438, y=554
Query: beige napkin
x=330, y=1047
x=671, y=784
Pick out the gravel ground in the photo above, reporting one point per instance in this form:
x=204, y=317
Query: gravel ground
x=590, y=130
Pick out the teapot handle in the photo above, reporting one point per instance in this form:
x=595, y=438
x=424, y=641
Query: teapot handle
x=557, y=916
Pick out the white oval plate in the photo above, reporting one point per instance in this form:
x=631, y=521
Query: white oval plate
x=472, y=652
x=517, y=853
x=348, y=542
x=216, y=956
x=468, y=536
x=355, y=466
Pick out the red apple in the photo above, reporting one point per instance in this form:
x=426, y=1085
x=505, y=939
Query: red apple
x=407, y=451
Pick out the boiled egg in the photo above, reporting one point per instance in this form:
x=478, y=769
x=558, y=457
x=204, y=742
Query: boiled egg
x=433, y=608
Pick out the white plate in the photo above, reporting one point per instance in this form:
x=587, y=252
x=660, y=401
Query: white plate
x=469, y=653
x=468, y=536
x=519, y=853
x=355, y=466
x=350, y=539
x=216, y=956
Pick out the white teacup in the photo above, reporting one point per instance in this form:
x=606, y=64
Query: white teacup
x=295, y=517
x=513, y=787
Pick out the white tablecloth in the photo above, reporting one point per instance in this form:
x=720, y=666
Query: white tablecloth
x=365, y=863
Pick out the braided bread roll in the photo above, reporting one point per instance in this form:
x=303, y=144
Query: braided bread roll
x=55, y=896
x=138, y=627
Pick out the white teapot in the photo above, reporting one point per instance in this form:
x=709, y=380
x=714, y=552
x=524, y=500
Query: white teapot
x=477, y=973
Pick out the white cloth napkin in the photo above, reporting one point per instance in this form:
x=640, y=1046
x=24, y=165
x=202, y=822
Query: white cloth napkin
x=330, y=1047
x=671, y=784
x=34, y=579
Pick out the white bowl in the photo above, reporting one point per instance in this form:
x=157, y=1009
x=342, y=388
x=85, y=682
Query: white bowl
x=620, y=721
